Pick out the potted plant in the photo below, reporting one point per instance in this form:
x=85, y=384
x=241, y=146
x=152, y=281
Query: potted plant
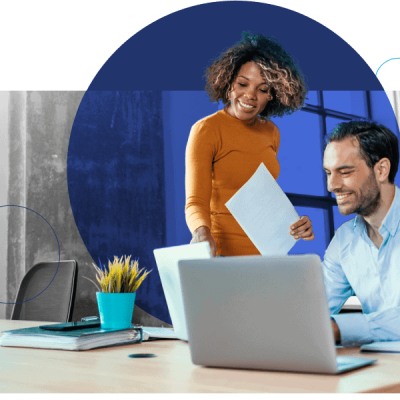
x=117, y=291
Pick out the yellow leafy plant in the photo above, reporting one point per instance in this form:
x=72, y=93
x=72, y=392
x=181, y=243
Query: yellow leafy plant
x=121, y=276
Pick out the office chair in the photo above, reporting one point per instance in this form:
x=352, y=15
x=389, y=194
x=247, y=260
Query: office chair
x=56, y=303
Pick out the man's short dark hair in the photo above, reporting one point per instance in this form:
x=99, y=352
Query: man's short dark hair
x=375, y=141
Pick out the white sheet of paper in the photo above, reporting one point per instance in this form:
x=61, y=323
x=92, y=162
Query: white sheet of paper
x=265, y=213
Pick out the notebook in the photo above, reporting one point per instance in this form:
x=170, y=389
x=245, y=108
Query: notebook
x=268, y=313
x=167, y=263
x=82, y=339
x=149, y=332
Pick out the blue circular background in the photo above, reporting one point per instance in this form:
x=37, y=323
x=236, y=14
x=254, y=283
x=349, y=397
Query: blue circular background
x=105, y=158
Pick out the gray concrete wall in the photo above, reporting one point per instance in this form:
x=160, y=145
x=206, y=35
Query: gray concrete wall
x=38, y=130
x=4, y=172
x=16, y=267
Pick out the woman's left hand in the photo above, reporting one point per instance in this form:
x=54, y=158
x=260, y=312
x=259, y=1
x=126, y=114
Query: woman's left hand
x=302, y=229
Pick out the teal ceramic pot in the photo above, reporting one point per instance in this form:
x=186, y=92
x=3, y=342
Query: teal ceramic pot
x=115, y=309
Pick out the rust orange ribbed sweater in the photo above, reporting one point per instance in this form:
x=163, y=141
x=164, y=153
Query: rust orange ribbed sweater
x=221, y=156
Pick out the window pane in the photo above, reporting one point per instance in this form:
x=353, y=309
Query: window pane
x=300, y=154
x=348, y=102
x=382, y=111
x=339, y=219
x=391, y=94
x=331, y=124
x=318, y=245
x=312, y=98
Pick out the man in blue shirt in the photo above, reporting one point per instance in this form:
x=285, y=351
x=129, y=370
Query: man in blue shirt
x=363, y=258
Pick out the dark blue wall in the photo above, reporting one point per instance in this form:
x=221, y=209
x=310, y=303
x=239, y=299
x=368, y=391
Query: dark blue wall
x=116, y=182
x=180, y=111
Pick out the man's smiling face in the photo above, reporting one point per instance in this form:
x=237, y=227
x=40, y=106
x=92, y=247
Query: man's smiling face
x=350, y=179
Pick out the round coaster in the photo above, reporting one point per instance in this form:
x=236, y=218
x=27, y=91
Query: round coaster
x=142, y=355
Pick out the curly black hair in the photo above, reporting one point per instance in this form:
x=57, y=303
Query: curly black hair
x=278, y=67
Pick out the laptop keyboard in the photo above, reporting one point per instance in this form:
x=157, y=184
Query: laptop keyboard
x=344, y=361
x=349, y=363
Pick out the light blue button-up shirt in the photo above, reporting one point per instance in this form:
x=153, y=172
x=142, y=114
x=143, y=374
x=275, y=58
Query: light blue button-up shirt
x=353, y=265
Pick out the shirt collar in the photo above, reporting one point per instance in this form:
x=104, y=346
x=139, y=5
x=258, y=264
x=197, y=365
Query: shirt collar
x=390, y=222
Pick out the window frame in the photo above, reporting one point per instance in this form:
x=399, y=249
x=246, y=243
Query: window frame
x=327, y=201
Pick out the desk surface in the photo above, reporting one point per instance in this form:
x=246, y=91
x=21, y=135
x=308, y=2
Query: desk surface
x=110, y=370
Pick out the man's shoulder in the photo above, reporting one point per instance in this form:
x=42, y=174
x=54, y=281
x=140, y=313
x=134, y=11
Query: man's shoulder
x=347, y=227
x=340, y=244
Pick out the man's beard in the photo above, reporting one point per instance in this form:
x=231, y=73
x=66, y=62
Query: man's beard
x=368, y=201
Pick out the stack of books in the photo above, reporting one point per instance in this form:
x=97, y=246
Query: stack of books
x=82, y=339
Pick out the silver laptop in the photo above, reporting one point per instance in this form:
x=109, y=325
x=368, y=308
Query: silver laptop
x=261, y=313
x=167, y=263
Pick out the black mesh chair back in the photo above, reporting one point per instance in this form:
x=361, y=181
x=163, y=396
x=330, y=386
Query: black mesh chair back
x=56, y=303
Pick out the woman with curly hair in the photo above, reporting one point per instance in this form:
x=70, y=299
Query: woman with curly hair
x=255, y=79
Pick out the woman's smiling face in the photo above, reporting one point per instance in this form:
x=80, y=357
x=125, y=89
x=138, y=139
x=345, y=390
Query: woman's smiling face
x=249, y=94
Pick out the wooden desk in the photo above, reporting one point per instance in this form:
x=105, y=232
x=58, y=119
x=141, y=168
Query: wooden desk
x=110, y=370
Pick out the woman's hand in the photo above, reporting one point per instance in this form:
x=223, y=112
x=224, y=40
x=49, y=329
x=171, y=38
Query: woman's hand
x=302, y=229
x=203, y=234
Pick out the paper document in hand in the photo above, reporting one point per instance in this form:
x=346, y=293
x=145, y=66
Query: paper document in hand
x=265, y=213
